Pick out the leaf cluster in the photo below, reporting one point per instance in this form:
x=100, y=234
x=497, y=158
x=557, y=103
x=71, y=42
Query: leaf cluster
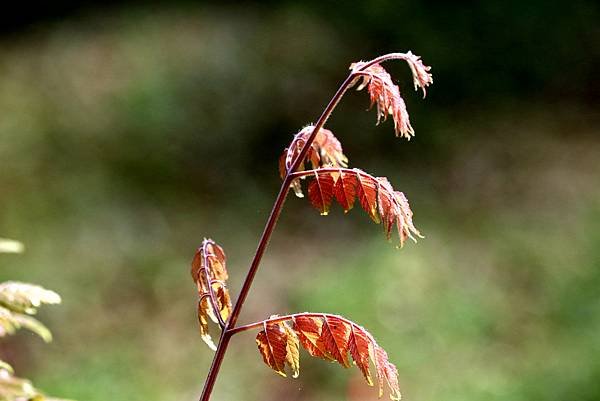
x=328, y=337
x=18, y=302
x=325, y=336
x=209, y=272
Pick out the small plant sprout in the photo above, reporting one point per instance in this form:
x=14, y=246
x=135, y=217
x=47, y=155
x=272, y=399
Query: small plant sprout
x=315, y=155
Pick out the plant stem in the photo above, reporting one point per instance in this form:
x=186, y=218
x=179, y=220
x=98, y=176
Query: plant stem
x=264, y=240
x=229, y=328
x=284, y=318
x=209, y=281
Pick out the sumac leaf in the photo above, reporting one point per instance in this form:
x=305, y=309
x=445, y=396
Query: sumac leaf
x=376, y=196
x=385, y=94
x=325, y=150
x=359, y=349
x=320, y=192
x=334, y=339
x=272, y=343
x=329, y=337
x=209, y=272
x=345, y=190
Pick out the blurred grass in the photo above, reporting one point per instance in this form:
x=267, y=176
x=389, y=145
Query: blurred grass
x=126, y=138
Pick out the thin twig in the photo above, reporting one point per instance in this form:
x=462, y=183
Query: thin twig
x=211, y=291
x=284, y=318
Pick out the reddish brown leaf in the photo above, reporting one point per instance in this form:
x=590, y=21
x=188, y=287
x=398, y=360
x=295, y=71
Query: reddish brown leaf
x=272, y=343
x=309, y=332
x=325, y=150
x=204, y=310
x=385, y=93
x=334, y=339
x=329, y=337
x=320, y=192
x=376, y=196
x=386, y=207
x=224, y=301
x=386, y=372
x=359, y=344
x=209, y=272
x=367, y=194
x=345, y=190
x=421, y=76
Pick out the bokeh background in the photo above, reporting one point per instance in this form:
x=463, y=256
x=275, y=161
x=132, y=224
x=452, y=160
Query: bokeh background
x=131, y=130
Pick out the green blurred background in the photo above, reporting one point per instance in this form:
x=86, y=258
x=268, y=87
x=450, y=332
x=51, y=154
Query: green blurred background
x=129, y=131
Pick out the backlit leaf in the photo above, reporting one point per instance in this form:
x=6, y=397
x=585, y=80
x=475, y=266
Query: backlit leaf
x=359, y=349
x=385, y=94
x=334, y=339
x=320, y=192
x=325, y=150
x=272, y=344
x=292, y=356
x=329, y=337
x=345, y=190
x=209, y=272
x=376, y=196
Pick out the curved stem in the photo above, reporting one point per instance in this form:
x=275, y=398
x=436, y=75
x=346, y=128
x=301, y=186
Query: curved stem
x=268, y=230
x=211, y=291
x=264, y=240
x=306, y=173
x=381, y=59
x=284, y=318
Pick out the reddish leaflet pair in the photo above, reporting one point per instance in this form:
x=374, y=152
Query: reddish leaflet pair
x=325, y=336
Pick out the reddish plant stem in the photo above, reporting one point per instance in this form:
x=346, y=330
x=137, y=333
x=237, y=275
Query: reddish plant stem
x=284, y=318
x=306, y=173
x=211, y=291
x=228, y=331
x=385, y=57
x=264, y=240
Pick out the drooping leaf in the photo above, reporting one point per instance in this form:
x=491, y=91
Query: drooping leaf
x=334, y=339
x=320, y=192
x=386, y=372
x=359, y=347
x=24, y=297
x=366, y=188
x=209, y=272
x=309, y=332
x=292, y=357
x=375, y=194
x=329, y=337
x=345, y=190
x=272, y=344
x=223, y=301
x=385, y=93
x=204, y=312
x=11, y=321
x=33, y=325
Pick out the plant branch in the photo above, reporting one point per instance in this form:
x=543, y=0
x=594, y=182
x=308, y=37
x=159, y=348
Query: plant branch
x=270, y=226
x=284, y=318
x=381, y=59
x=306, y=173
